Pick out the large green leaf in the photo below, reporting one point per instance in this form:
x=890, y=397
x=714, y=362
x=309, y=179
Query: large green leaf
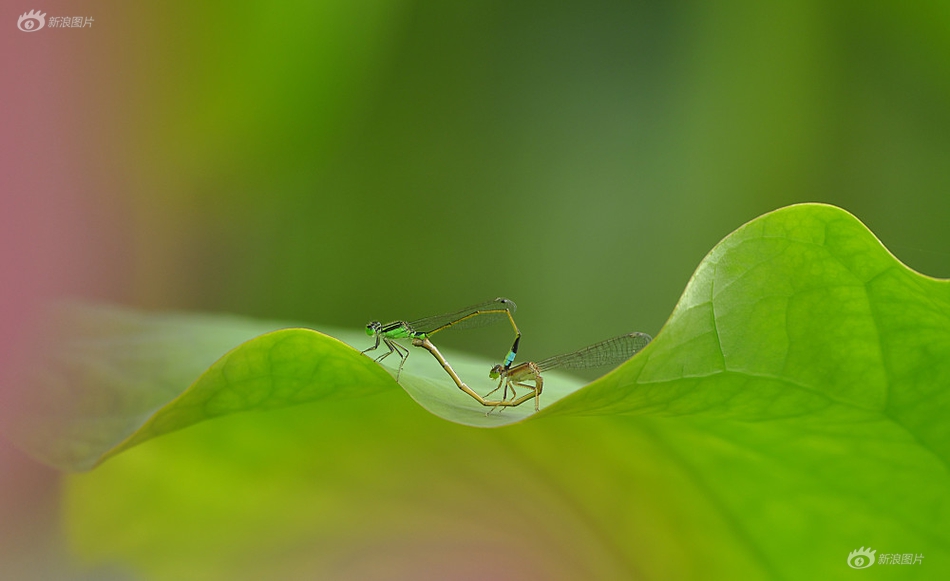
x=112, y=378
x=791, y=411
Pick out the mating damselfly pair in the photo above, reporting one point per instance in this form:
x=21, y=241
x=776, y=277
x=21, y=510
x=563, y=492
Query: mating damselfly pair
x=525, y=375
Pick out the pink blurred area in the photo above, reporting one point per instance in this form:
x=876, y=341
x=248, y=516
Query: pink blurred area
x=63, y=233
x=63, y=224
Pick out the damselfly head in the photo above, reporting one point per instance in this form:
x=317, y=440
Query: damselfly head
x=495, y=372
x=373, y=328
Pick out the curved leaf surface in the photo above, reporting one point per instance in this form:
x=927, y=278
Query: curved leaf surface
x=789, y=412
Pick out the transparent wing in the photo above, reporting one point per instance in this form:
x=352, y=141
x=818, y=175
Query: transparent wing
x=610, y=352
x=478, y=315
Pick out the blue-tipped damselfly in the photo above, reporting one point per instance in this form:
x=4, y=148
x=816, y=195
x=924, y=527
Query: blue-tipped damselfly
x=610, y=352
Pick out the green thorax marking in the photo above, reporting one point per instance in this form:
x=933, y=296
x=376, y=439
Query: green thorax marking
x=400, y=330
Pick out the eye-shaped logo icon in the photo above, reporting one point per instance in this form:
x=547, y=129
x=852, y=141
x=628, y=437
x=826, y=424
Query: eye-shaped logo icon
x=861, y=558
x=31, y=21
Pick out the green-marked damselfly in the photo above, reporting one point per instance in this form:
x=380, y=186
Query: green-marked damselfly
x=474, y=316
x=610, y=352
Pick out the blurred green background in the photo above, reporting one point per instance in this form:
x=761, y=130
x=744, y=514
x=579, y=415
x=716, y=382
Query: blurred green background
x=340, y=162
x=337, y=162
